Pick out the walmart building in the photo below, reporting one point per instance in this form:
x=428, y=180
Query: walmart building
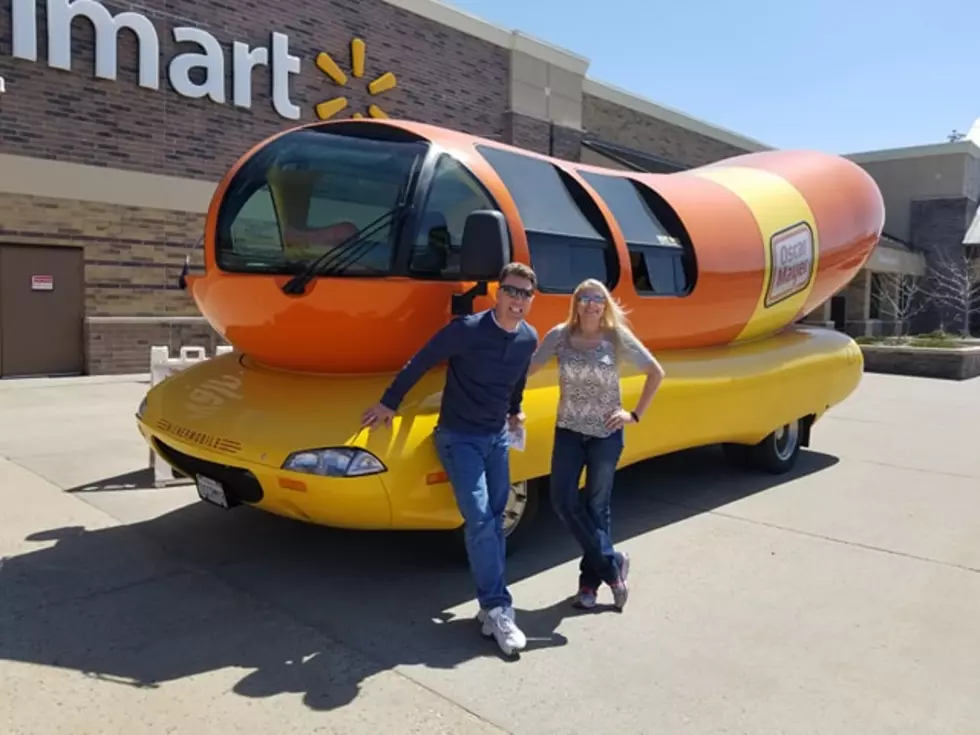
x=117, y=120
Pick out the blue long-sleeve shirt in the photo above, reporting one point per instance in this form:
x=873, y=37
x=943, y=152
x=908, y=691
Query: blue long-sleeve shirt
x=486, y=376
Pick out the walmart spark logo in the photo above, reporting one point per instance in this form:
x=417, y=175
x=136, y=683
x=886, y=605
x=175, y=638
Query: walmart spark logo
x=328, y=66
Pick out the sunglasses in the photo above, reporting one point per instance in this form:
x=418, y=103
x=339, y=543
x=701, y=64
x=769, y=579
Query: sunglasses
x=592, y=298
x=516, y=292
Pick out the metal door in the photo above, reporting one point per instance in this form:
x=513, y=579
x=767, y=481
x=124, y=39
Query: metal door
x=41, y=310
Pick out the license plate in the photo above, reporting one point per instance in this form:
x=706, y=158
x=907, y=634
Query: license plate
x=211, y=491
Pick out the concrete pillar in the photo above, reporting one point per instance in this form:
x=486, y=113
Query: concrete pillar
x=858, y=294
x=545, y=112
x=857, y=302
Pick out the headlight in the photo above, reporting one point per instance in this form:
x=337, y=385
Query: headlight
x=334, y=462
x=142, y=409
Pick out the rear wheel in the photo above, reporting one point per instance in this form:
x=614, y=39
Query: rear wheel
x=776, y=454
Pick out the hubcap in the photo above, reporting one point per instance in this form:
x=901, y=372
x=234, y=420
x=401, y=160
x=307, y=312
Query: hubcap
x=516, y=504
x=786, y=438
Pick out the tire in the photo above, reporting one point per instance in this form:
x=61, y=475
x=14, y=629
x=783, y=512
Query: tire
x=776, y=454
x=522, y=509
x=522, y=521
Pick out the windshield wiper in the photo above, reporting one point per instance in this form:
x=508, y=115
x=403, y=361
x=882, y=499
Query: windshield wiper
x=344, y=254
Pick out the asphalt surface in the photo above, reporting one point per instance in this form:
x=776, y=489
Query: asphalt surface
x=839, y=599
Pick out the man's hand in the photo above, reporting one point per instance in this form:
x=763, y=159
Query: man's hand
x=515, y=421
x=378, y=413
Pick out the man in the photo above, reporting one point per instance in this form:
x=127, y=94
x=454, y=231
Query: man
x=488, y=355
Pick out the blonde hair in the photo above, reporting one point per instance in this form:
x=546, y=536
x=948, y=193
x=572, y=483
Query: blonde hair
x=613, y=318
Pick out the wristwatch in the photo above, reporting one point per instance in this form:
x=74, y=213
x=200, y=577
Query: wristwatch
x=636, y=418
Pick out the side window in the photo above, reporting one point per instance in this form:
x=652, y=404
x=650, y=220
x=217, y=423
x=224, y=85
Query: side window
x=256, y=229
x=567, y=237
x=661, y=265
x=453, y=194
x=658, y=271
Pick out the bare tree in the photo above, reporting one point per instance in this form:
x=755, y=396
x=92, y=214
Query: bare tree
x=899, y=297
x=956, y=285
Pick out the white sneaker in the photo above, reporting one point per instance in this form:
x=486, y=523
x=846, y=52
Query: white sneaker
x=499, y=623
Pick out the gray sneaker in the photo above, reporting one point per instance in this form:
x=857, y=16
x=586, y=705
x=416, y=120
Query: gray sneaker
x=620, y=588
x=586, y=598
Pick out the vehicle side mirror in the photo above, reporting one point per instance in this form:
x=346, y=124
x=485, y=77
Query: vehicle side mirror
x=485, y=246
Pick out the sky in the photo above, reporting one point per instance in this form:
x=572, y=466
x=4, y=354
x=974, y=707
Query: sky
x=842, y=76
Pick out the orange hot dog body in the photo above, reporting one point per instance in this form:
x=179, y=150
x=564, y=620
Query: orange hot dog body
x=774, y=235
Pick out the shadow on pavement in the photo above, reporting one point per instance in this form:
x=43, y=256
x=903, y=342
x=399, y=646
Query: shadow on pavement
x=141, y=479
x=198, y=589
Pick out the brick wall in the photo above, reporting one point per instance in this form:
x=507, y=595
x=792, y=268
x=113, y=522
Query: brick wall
x=133, y=255
x=527, y=132
x=937, y=228
x=567, y=143
x=624, y=126
x=115, y=348
x=542, y=137
x=444, y=76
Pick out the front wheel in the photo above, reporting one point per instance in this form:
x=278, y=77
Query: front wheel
x=776, y=454
x=522, y=508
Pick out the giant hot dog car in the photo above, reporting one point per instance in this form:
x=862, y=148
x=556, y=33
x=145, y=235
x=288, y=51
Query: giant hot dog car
x=333, y=251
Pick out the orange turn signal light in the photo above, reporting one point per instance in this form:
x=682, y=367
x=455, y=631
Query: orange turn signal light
x=288, y=483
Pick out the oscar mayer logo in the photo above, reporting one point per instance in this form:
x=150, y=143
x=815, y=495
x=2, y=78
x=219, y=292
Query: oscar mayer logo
x=791, y=253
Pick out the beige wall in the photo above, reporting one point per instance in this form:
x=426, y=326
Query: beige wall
x=972, y=187
x=926, y=172
x=900, y=182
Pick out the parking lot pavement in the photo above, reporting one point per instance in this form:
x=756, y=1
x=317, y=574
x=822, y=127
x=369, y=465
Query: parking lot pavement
x=839, y=599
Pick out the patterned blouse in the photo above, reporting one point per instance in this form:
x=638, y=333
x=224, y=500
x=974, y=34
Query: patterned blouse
x=589, y=379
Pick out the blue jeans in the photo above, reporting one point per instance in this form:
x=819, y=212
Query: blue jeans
x=478, y=466
x=587, y=513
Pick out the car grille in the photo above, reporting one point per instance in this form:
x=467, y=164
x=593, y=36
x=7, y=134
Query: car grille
x=240, y=484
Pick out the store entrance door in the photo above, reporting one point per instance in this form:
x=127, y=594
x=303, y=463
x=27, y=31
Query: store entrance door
x=41, y=311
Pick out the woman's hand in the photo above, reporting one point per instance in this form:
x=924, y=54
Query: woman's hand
x=618, y=419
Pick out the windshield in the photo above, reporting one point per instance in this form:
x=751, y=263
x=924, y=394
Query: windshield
x=307, y=192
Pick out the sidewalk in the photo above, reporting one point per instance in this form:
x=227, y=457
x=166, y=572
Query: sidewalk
x=102, y=633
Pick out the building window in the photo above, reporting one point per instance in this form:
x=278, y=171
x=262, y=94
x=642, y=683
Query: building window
x=567, y=237
x=661, y=264
x=453, y=195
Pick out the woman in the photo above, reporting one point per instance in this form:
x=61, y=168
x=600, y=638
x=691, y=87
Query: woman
x=591, y=347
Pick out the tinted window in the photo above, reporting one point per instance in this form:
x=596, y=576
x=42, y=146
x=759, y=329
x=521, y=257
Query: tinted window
x=658, y=271
x=561, y=264
x=561, y=222
x=639, y=224
x=453, y=194
x=305, y=193
x=658, y=258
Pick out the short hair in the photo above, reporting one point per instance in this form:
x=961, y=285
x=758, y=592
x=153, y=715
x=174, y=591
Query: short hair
x=521, y=271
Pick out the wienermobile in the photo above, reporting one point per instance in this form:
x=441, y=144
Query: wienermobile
x=334, y=250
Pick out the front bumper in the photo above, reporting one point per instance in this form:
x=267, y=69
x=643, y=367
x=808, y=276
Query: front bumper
x=347, y=502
